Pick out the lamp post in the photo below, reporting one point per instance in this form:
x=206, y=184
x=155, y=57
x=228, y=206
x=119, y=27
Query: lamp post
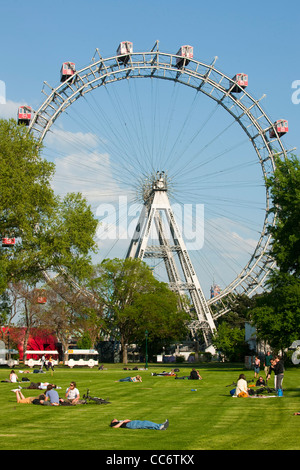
x=146, y=336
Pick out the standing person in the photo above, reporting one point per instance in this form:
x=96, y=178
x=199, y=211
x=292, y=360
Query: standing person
x=271, y=369
x=72, y=394
x=267, y=363
x=256, y=367
x=279, y=373
x=50, y=364
x=241, y=390
x=43, y=360
x=138, y=424
x=52, y=397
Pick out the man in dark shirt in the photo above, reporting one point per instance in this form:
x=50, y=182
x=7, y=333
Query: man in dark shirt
x=279, y=373
x=194, y=375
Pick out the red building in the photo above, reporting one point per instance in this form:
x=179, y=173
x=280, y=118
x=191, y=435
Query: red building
x=39, y=339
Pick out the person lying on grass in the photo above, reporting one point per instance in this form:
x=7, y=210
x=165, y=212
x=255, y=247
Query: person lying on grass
x=172, y=373
x=39, y=385
x=139, y=424
x=29, y=400
x=194, y=375
x=138, y=378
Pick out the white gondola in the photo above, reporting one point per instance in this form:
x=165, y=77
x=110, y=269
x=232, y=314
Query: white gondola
x=124, y=50
x=185, y=53
x=241, y=82
x=67, y=70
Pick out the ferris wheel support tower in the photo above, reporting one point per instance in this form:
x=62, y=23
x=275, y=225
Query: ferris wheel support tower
x=156, y=204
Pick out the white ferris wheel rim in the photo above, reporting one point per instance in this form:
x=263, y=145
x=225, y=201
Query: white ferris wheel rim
x=205, y=78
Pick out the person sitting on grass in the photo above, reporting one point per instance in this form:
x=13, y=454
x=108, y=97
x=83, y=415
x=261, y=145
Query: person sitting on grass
x=138, y=424
x=138, y=378
x=194, y=375
x=260, y=382
x=241, y=390
x=72, y=394
x=13, y=378
x=52, y=397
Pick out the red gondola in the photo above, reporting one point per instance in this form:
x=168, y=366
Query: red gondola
x=67, y=70
x=41, y=300
x=241, y=80
x=24, y=115
x=124, y=50
x=8, y=242
x=281, y=127
x=186, y=53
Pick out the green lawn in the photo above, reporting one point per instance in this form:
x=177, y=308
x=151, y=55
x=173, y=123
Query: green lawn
x=208, y=419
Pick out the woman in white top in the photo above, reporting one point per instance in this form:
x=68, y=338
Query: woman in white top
x=13, y=377
x=241, y=387
x=72, y=393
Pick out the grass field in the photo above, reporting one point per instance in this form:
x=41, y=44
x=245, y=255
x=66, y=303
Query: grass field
x=206, y=419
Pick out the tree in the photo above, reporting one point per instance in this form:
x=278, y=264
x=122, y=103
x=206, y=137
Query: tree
x=231, y=341
x=285, y=191
x=69, y=238
x=70, y=314
x=156, y=311
x=49, y=232
x=5, y=308
x=24, y=310
x=276, y=314
x=134, y=301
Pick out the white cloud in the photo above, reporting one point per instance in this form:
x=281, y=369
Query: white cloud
x=10, y=109
x=229, y=239
x=63, y=140
x=84, y=169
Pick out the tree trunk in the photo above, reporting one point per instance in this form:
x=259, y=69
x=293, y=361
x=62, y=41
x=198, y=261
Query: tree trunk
x=124, y=351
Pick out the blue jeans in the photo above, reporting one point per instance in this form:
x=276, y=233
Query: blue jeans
x=137, y=424
x=127, y=379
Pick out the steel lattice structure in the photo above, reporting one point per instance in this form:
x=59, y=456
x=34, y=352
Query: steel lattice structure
x=203, y=78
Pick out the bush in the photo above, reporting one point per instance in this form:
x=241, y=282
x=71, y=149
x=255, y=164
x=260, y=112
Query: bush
x=180, y=359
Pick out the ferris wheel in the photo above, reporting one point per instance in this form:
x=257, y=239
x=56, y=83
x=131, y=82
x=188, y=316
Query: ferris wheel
x=195, y=123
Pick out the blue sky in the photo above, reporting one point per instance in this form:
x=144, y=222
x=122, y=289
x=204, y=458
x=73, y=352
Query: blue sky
x=260, y=38
x=257, y=38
